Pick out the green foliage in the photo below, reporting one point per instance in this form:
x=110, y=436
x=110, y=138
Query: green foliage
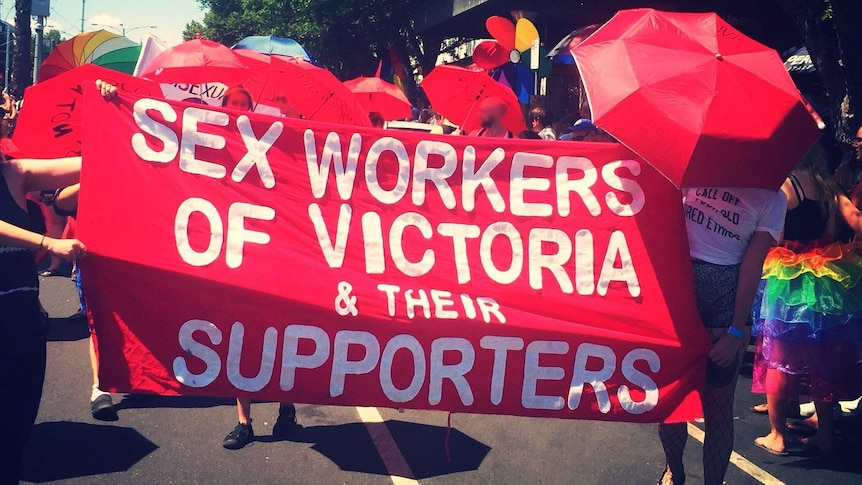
x=54, y=36
x=343, y=34
x=828, y=12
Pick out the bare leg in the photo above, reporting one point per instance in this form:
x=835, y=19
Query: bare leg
x=778, y=406
x=94, y=363
x=825, y=427
x=243, y=410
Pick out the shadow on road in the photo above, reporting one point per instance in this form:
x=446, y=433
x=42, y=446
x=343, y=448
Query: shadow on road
x=151, y=401
x=62, y=450
x=848, y=449
x=67, y=329
x=350, y=447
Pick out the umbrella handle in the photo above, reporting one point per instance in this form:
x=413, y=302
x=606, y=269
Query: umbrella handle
x=328, y=97
x=262, y=90
x=472, y=106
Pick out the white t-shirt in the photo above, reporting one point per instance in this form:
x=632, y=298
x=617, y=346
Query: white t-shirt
x=547, y=133
x=721, y=221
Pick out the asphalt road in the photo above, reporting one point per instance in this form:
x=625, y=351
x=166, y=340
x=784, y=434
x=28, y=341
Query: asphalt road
x=178, y=440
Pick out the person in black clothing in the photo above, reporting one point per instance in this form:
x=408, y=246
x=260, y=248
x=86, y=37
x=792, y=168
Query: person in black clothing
x=22, y=331
x=23, y=336
x=791, y=358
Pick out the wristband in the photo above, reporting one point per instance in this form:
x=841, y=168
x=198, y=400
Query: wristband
x=740, y=334
x=42, y=243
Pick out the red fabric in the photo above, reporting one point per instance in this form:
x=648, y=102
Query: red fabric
x=147, y=290
x=198, y=61
x=490, y=54
x=312, y=91
x=696, y=98
x=377, y=95
x=50, y=122
x=456, y=93
x=503, y=30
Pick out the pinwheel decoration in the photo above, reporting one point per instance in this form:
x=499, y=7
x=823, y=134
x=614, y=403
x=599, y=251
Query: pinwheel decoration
x=516, y=55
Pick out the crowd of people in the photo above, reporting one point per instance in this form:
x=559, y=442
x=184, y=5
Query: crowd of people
x=540, y=125
x=790, y=278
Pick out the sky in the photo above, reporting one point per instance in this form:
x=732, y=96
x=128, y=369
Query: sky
x=169, y=16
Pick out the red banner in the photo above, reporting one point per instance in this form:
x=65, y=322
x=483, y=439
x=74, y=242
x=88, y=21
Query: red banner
x=240, y=254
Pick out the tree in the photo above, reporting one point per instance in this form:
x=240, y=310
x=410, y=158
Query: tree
x=22, y=59
x=346, y=36
x=832, y=32
x=195, y=28
x=54, y=36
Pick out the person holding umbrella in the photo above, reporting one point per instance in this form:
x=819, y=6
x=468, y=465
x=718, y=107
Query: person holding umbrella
x=491, y=113
x=727, y=256
x=733, y=125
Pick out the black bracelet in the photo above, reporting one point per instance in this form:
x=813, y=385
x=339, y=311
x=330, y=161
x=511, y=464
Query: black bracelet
x=42, y=243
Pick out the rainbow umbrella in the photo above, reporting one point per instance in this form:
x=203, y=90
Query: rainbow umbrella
x=101, y=48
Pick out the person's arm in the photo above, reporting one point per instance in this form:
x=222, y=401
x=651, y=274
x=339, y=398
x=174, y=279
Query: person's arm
x=856, y=195
x=67, y=199
x=851, y=214
x=49, y=174
x=750, y=271
x=65, y=249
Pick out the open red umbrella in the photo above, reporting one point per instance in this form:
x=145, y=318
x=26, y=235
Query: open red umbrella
x=700, y=101
x=312, y=91
x=377, y=95
x=197, y=61
x=455, y=92
x=51, y=123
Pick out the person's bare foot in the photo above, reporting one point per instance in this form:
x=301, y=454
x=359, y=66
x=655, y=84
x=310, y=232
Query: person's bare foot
x=668, y=478
x=807, y=425
x=772, y=443
x=760, y=409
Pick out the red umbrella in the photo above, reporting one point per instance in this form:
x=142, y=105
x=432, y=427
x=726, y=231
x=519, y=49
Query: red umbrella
x=312, y=91
x=51, y=123
x=377, y=95
x=455, y=92
x=197, y=61
x=703, y=103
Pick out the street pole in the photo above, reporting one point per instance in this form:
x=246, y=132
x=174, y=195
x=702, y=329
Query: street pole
x=83, y=4
x=8, y=29
x=37, y=58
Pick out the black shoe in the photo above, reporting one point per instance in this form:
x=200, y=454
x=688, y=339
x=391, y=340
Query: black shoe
x=286, y=422
x=102, y=408
x=241, y=435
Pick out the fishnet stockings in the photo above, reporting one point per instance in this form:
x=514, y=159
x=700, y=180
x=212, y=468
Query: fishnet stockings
x=718, y=440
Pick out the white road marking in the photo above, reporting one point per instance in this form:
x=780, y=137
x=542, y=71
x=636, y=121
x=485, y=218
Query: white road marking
x=740, y=461
x=396, y=465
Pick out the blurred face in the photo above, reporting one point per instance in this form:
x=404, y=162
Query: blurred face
x=491, y=114
x=582, y=135
x=857, y=144
x=534, y=124
x=286, y=109
x=238, y=102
